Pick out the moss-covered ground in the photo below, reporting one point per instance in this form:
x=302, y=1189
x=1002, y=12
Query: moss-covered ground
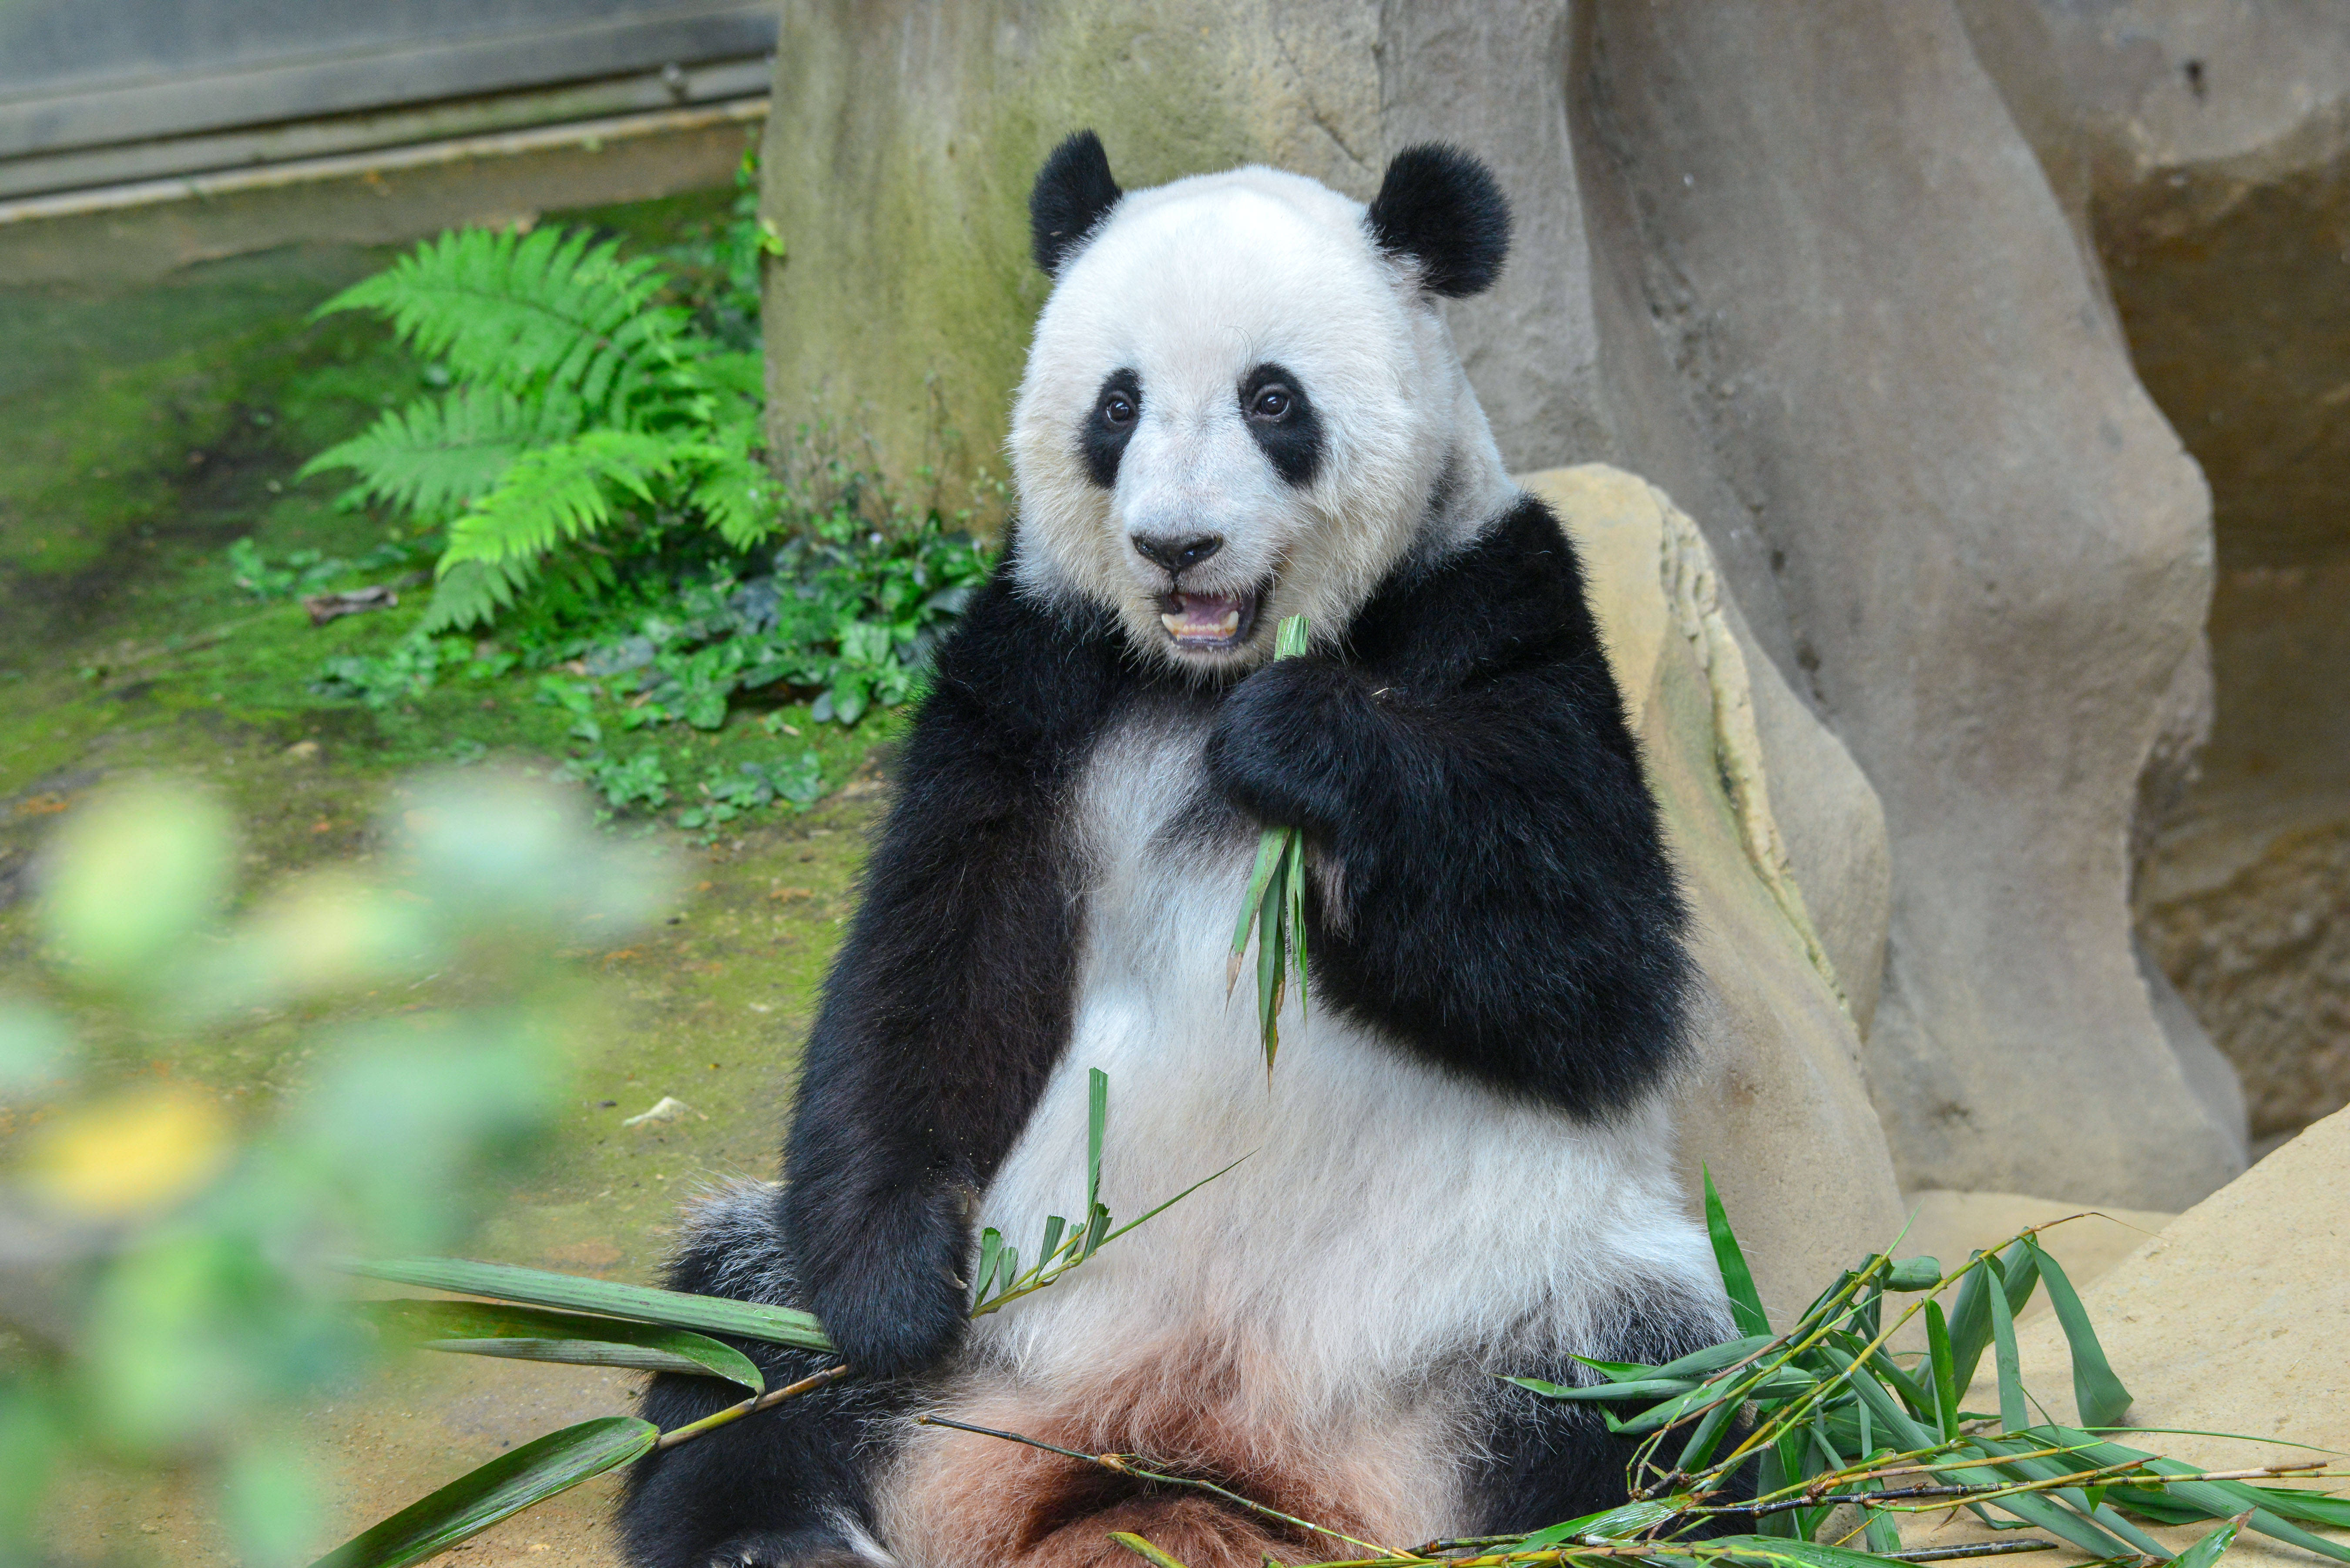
x=149, y=430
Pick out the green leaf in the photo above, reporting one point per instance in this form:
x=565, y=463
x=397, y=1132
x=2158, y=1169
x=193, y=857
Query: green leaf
x=506, y=1282
x=2012, y=1416
x=991, y=1248
x=2102, y=1399
x=1970, y=1318
x=499, y=1489
x=1096, y=1127
x=1605, y=1393
x=1737, y=1278
x=2205, y=1551
x=1055, y=1225
x=1269, y=846
x=1802, y=1554
x=1612, y=1524
x=1914, y=1275
x=1937, y=1352
x=533, y=1333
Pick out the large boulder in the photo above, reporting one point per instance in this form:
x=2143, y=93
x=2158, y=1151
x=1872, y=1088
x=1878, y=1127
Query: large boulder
x=1794, y=264
x=1767, y=822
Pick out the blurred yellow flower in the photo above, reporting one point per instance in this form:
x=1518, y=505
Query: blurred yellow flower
x=130, y=1152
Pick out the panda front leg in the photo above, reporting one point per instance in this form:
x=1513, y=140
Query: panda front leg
x=786, y=1488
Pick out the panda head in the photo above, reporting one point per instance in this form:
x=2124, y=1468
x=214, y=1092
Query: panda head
x=1242, y=402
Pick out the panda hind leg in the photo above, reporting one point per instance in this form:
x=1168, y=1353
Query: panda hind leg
x=786, y=1488
x=1545, y=1460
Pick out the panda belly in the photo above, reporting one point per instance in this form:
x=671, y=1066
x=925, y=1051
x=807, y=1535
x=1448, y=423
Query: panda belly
x=1320, y=1323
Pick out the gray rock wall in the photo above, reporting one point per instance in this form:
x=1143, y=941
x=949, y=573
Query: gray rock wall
x=2205, y=152
x=1794, y=265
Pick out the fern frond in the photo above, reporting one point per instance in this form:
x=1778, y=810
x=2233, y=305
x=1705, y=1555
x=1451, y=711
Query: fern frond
x=550, y=309
x=434, y=455
x=472, y=593
x=738, y=495
x=557, y=493
x=727, y=478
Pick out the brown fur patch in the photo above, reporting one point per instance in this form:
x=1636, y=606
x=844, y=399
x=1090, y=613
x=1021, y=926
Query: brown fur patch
x=955, y=1499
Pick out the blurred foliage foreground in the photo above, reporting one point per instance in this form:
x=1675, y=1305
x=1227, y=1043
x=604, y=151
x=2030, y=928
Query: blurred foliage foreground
x=164, y=1268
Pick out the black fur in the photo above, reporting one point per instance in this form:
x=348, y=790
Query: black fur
x=769, y=1490
x=950, y=1002
x=1291, y=439
x=1440, y=207
x=1507, y=912
x=1103, y=440
x=1073, y=194
x=1508, y=908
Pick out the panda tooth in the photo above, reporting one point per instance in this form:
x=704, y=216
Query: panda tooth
x=1231, y=624
x=1173, y=623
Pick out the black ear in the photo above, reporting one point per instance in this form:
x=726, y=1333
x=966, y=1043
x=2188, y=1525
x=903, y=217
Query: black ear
x=1440, y=207
x=1074, y=192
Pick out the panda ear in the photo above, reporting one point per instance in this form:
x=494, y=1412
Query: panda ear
x=1441, y=209
x=1074, y=192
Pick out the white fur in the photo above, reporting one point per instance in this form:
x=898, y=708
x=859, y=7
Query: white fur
x=1389, y=1220
x=1192, y=285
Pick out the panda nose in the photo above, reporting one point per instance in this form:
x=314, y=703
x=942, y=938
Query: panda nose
x=1177, y=552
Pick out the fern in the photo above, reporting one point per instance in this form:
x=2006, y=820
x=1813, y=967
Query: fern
x=557, y=493
x=548, y=310
x=578, y=393
x=431, y=457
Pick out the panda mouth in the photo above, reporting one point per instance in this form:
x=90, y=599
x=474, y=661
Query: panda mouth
x=1208, y=623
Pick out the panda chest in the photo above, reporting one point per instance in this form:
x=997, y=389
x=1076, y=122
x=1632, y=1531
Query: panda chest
x=1165, y=863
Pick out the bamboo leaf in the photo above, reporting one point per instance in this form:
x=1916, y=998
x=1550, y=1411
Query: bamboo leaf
x=2102, y=1399
x=2205, y=1551
x=1737, y=1278
x=1938, y=1352
x=506, y=1282
x=1610, y=1524
x=1269, y=846
x=499, y=1489
x=531, y=1334
x=1055, y=1225
x=1604, y=1392
x=1096, y=1127
x=1970, y=1318
x=2012, y=1417
x=991, y=1248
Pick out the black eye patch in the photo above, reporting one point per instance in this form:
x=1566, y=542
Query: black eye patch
x=1282, y=423
x=1117, y=408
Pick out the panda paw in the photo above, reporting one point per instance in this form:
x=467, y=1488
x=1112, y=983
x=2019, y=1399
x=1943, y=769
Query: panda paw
x=1284, y=740
x=812, y=1548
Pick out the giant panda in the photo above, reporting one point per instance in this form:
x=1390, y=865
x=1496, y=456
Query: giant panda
x=1242, y=402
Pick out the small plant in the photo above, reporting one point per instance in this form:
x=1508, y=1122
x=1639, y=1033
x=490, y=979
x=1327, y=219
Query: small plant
x=302, y=570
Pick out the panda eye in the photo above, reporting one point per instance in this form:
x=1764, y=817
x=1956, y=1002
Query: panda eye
x=1117, y=410
x=1272, y=402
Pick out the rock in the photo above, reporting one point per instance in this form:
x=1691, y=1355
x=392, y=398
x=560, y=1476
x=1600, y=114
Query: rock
x=1797, y=267
x=2207, y=151
x=2233, y=1319
x=1776, y=1105
x=2230, y=1321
